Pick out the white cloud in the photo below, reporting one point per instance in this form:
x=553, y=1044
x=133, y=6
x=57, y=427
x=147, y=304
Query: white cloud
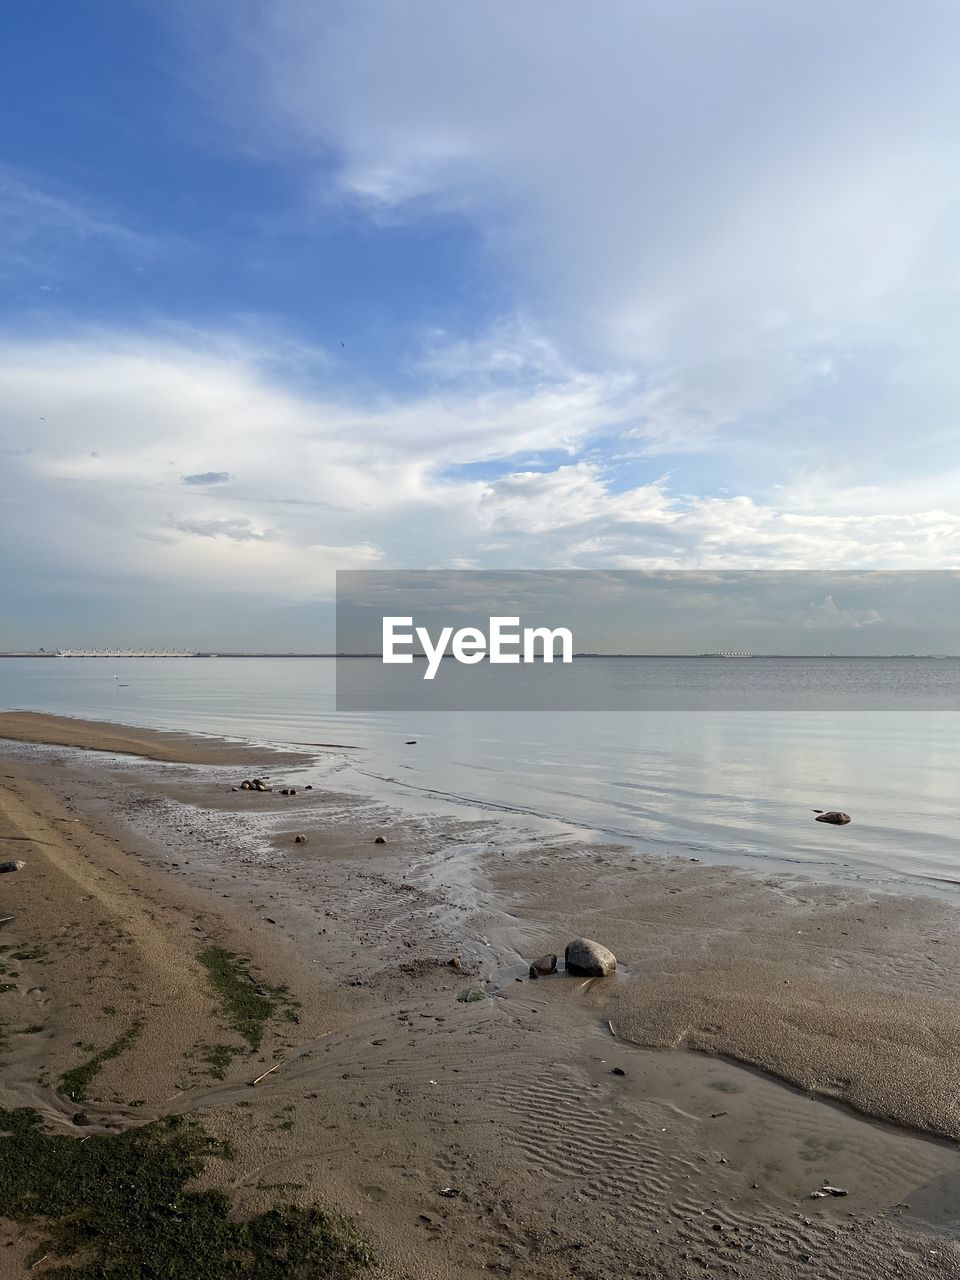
x=99, y=432
x=236, y=528
x=831, y=615
x=94, y=492
x=573, y=517
x=751, y=212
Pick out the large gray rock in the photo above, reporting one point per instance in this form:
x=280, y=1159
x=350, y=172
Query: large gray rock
x=589, y=958
x=835, y=817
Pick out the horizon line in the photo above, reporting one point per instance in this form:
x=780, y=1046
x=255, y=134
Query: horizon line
x=585, y=653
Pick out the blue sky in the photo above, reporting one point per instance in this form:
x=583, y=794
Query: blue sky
x=642, y=285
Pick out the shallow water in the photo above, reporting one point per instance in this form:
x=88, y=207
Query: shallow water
x=730, y=784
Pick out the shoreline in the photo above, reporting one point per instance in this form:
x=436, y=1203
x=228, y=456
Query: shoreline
x=162, y=745
x=428, y=1090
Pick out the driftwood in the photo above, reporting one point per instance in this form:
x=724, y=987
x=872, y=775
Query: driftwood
x=275, y=1066
x=12, y=865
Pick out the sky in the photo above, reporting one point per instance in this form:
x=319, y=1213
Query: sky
x=295, y=286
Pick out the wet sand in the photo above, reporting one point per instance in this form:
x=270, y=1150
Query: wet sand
x=846, y=994
x=151, y=744
x=391, y=1086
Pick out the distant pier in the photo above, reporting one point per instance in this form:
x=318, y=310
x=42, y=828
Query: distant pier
x=127, y=653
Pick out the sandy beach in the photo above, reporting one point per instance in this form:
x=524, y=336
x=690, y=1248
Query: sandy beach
x=762, y=1037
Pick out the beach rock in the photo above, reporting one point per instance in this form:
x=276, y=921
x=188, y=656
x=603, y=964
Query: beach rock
x=835, y=817
x=379, y=840
x=588, y=958
x=308, y=787
x=246, y=785
x=545, y=965
x=301, y=839
x=13, y=865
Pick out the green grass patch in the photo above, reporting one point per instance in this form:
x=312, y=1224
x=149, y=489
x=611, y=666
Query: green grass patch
x=217, y=1058
x=29, y=953
x=75, y=1082
x=247, y=1004
x=120, y=1207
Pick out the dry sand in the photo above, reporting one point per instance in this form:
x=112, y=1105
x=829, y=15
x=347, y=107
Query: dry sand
x=390, y=1087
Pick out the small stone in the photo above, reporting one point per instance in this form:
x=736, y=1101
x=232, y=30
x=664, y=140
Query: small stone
x=617, y=1071
x=834, y=817
x=379, y=840
x=301, y=839
x=545, y=965
x=81, y=1118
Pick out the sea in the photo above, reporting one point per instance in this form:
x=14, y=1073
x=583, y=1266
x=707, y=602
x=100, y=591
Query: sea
x=737, y=784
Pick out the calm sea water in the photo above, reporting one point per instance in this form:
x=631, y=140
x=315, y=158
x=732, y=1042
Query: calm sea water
x=723, y=784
